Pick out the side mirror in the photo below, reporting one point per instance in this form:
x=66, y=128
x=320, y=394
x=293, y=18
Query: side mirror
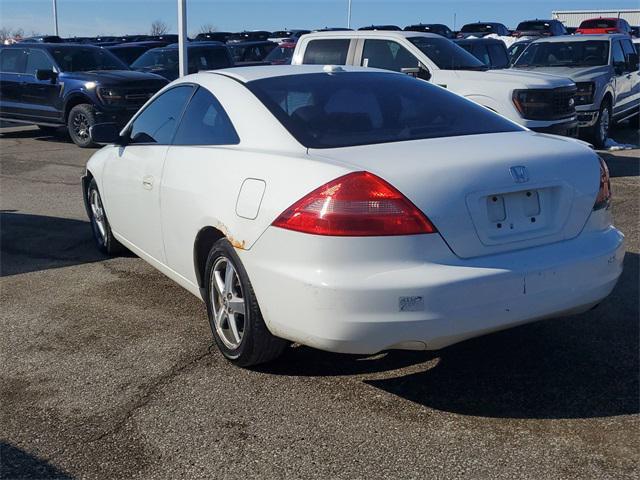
x=420, y=72
x=632, y=61
x=105, y=133
x=46, y=75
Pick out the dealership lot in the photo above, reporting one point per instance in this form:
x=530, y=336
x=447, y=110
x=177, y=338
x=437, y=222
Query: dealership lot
x=108, y=369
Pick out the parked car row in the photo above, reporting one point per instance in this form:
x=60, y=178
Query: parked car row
x=593, y=83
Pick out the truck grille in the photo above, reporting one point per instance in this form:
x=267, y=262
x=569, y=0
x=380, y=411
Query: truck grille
x=546, y=104
x=564, y=102
x=137, y=96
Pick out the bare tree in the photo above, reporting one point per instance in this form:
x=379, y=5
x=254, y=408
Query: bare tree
x=17, y=33
x=207, y=27
x=159, y=28
x=5, y=34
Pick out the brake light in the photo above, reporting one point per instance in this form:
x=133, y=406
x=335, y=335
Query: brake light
x=604, y=193
x=358, y=204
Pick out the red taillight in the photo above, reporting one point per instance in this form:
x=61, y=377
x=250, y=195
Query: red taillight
x=359, y=204
x=604, y=193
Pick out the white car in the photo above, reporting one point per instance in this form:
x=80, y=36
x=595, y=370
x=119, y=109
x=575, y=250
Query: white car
x=352, y=210
x=538, y=101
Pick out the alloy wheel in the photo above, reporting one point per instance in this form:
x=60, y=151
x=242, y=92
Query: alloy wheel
x=227, y=299
x=604, y=124
x=99, y=219
x=81, y=125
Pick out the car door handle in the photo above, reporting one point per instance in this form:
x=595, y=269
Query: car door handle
x=147, y=182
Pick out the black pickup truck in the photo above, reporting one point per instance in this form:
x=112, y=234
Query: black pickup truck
x=59, y=84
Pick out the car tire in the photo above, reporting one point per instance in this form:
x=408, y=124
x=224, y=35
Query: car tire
x=234, y=315
x=600, y=131
x=102, y=233
x=81, y=118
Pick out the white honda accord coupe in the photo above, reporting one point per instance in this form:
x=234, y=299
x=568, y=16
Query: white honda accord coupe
x=352, y=210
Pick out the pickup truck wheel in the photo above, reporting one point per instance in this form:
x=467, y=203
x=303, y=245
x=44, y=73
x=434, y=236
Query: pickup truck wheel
x=99, y=224
x=600, y=131
x=81, y=119
x=234, y=315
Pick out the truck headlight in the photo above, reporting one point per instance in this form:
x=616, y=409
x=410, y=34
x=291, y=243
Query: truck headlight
x=110, y=96
x=532, y=104
x=585, y=93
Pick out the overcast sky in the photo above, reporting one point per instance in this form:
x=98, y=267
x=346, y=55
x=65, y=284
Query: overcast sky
x=116, y=17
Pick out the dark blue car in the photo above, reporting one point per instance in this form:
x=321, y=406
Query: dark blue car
x=72, y=85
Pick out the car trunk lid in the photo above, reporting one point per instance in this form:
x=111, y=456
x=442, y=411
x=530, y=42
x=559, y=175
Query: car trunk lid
x=488, y=194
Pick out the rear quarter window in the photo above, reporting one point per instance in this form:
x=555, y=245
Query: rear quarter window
x=327, y=52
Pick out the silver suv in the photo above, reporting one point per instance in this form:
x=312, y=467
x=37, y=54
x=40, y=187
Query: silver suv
x=605, y=70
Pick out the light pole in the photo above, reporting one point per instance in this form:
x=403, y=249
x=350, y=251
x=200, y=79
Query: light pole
x=182, y=38
x=55, y=17
x=349, y=15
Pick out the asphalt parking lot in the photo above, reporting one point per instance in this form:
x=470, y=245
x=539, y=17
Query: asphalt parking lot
x=108, y=369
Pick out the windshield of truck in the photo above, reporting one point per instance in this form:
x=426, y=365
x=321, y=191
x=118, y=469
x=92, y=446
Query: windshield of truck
x=589, y=53
x=446, y=54
x=85, y=59
x=477, y=27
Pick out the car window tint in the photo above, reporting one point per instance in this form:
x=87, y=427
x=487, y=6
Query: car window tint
x=205, y=123
x=208, y=58
x=158, y=121
x=12, y=60
x=328, y=111
x=37, y=60
x=388, y=55
x=627, y=47
x=327, y=52
x=481, y=53
x=499, y=57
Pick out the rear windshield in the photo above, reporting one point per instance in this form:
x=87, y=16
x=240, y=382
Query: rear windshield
x=589, y=53
x=534, y=26
x=446, y=54
x=209, y=58
x=599, y=23
x=86, y=59
x=477, y=27
x=130, y=54
x=323, y=110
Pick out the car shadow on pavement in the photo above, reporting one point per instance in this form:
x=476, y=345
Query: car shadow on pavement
x=18, y=464
x=583, y=366
x=34, y=242
x=60, y=136
x=623, y=165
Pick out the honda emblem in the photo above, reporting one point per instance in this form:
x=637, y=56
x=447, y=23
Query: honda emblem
x=519, y=174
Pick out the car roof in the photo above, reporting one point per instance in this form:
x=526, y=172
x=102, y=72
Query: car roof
x=481, y=23
x=581, y=38
x=251, y=43
x=141, y=43
x=478, y=40
x=369, y=33
x=249, y=74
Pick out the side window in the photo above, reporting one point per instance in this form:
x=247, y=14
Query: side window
x=388, y=55
x=617, y=54
x=205, y=123
x=499, y=57
x=12, y=60
x=157, y=123
x=37, y=60
x=327, y=52
x=481, y=53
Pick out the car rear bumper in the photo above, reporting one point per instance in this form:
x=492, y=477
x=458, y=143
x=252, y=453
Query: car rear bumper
x=337, y=294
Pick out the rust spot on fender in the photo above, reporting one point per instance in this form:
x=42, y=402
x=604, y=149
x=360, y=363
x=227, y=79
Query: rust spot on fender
x=240, y=244
x=237, y=243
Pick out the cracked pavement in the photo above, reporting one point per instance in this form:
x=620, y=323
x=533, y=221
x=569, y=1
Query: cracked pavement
x=107, y=369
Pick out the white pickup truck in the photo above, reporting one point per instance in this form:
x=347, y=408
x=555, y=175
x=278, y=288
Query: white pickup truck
x=541, y=102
